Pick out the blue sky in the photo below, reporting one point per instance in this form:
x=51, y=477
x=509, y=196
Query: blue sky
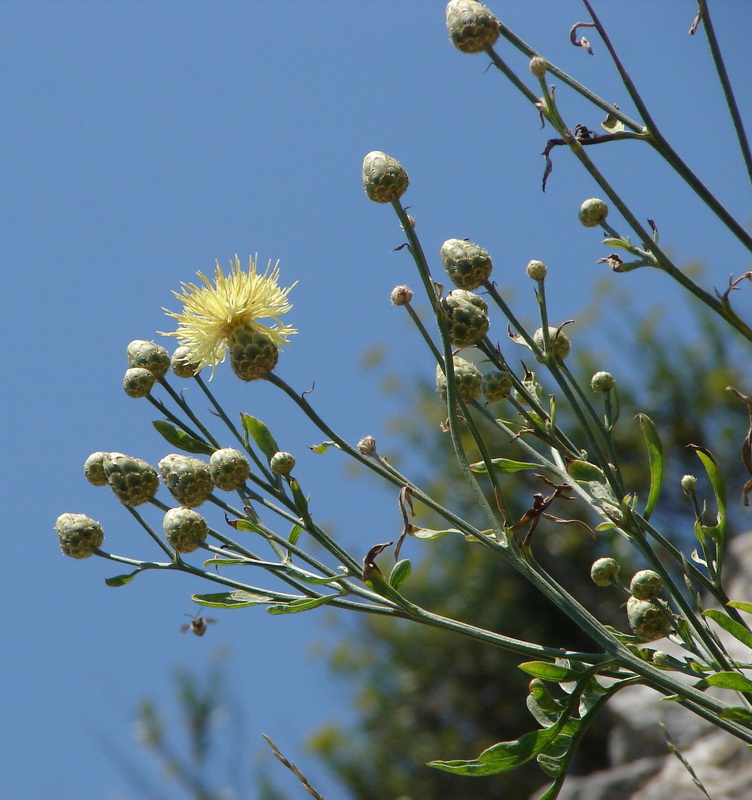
x=144, y=140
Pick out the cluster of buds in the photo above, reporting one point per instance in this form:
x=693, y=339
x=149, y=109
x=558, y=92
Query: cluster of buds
x=133, y=480
x=147, y=363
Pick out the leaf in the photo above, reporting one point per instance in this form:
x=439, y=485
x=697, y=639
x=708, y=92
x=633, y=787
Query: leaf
x=302, y=604
x=737, y=713
x=121, y=580
x=553, y=673
x=736, y=629
x=181, y=439
x=655, y=458
x=716, y=532
x=320, y=449
x=741, y=605
x=225, y=562
x=552, y=760
x=246, y=525
x=400, y=573
x=503, y=465
x=294, y=534
x=612, y=125
x=260, y=434
x=301, y=501
x=585, y=471
x=430, y=533
x=726, y=680
x=237, y=599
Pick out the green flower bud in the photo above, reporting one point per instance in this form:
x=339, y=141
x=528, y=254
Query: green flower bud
x=496, y=386
x=467, y=317
x=472, y=27
x=282, y=463
x=536, y=270
x=689, y=483
x=467, y=265
x=182, y=363
x=593, y=212
x=538, y=66
x=604, y=571
x=137, y=382
x=467, y=378
x=94, y=469
x=133, y=480
x=401, y=295
x=148, y=355
x=229, y=469
x=253, y=355
x=367, y=446
x=649, y=620
x=188, y=479
x=185, y=529
x=384, y=178
x=646, y=584
x=560, y=344
x=78, y=535
x=602, y=382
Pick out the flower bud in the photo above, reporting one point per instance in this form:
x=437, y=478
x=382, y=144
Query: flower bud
x=282, y=463
x=78, y=535
x=467, y=265
x=253, y=355
x=593, y=212
x=538, y=66
x=649, y=620
x=188, y=479
x=496, y=386
x=602, y=382
x=137, y=382
x=384, y=178
x=472, y=27
x=604, y=571
x=401, y=295
x=646, y=584
x=94, y=469
x=466, y=376
x=182, y=363
x=133, y=480
x=560, y=343
x=148, y=355
x=367, y=446
x=467, y=317
x=229, y=469
x=689, y=483
x=185, y=529
x=536, y=270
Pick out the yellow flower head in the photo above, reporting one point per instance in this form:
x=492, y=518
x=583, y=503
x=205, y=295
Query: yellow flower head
x=212, y=313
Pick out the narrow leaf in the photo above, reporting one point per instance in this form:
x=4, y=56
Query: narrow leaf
x=236, y=599
x=737, y=713
x=181, y=439
x=430, y=533
x=727, y=680
x=260, y=434
x=655, y=458
x=302, y=604
x=301, y=501
x=736, y=629
x=741, y=605
x=504, y=465
x=716, y=531
x=320, y=449
x=502, y=757
x=121, y=580
x=294, y=534
x=549, y=672
x=400, y=573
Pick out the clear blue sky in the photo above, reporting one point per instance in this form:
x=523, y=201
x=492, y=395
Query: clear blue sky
x=144, y=140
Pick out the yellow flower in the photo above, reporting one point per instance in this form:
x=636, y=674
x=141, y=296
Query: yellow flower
x=212, y=313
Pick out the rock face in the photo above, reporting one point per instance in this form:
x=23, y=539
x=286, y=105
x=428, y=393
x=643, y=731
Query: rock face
x=642, y=766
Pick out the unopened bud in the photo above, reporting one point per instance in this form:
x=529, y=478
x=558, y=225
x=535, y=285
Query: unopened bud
x=689, y=483
x=188, y=479
x=602, y=382
x=472, y=27
x=646, y=584
x=253, y=354
x=282, y=463
x=559, y=342
x=182, y=363
x=538, y=66
x=401, y=295
x=78, y=535
x=467, y=317
x=496, y=386
x=185, y=529
x=593, y=212
x=536, y=270
x=229, y=469
x=367, y=446
x=467, y=265
x=466, y=376
x=649, y=620
x=604, y=571
x=148, y=355
x=384, y=178
x=94, y=469
x=138, y=382
x=133, y=480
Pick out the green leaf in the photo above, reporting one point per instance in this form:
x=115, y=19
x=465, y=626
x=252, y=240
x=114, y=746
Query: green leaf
x=430, y=533
x=737, y=713
x=400, y=573
x=736, y=629
x=713, y=471
x=550, y=672
x=504, y=465
x=225, y=562
x=236, y=599
x=580, y=470
x=301, y=501
x=294, y=534
x=655, y=458
x=181, y=439
x=553, y=759
x=320, y=449
x=121, y=580
x=260, y=434
x=246, y=525
x=302, y=604
x=741, y=605
x=726, y=680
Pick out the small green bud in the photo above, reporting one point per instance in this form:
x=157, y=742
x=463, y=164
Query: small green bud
x=185, y=529
x=133, y=480
x=538, y=66
x=536, y=270
x=401, y=295
x=148, y=355
x=367, y=446
x=467, y=378
x=282, y=463
x=467, y=265
x=602, y=382
x=182, y=364
x=593, y=212
x=78, y=535
x=253, y=355
x=472, y=27
x=689, y=483
x=649, y=620
x=137, y=382
x=384, y=178
x=646, y=584
x=94, y=469
x=229, y=469
x=604, y=571
x=496, y=386
x=467, y=317
x=560, y=344
x=188, y=479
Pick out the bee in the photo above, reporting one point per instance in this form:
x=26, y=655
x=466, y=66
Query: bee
x=197, y=625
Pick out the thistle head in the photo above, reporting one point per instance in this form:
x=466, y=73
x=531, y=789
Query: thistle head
x=467, y=265
x=229, y=469
x=467, y=317
x=133, y=480
x=472, y=27
x=78, y=535
x=185, y=529
x=138, y=382
x=148, y=355
x=253, y=354
x=183, y=363
x=466, y=376
x=188, y=479
x=384, y=178
x=593, y=212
